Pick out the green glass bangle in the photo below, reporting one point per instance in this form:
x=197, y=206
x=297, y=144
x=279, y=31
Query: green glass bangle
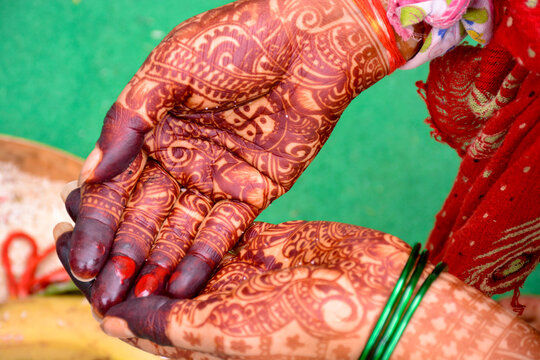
x=402, y=306
x=394, y=297
x=411, y=309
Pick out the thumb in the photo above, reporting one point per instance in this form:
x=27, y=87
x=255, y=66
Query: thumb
x=120, y=142
x=146, y=318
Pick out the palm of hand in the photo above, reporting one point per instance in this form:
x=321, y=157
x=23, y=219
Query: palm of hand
x=308, y=288
x=229, y=113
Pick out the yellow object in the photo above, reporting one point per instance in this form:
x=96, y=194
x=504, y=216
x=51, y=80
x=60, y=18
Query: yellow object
x=59, y=328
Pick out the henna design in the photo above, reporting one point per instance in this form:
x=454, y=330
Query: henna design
x=457, y=320
x=153, y=197
x=106, y=202
x=338, y=248
x=314, y=291
x=219, y=232
x=518, y=336
x=100, y=210
x=276, y=106
x=172, y=243
x=265, y=306
x=234, y=104
x=121, y=137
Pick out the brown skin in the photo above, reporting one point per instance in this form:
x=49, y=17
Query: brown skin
x=313, y=290
x=233, y=105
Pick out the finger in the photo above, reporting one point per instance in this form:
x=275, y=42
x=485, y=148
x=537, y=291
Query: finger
x=73, y=203
x=138, y=109
x=146, y=318
x=71, y=196
x=276, y=304
x=62, y=233
x=259, y=250
x=67, y=189
x=172, y=243
x=100, y=209
x=151, y=201
x=120, y=142
x=217, y=234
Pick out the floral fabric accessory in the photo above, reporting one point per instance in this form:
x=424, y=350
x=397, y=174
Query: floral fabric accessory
x=450, y=22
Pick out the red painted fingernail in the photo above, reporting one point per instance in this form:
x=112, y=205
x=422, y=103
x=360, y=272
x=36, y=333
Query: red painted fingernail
x=113, y=283
x=124, y=267
x=152, y=282
x=146, y=285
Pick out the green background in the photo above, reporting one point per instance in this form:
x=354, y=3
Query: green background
x=63, y=63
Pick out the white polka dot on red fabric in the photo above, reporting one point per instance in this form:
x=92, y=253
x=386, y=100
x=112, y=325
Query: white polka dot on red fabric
x=531, y=3
x=526, y=169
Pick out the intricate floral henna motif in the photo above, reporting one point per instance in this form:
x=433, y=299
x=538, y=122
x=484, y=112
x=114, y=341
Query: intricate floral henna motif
x=101, y=207
x=231, y=108
x=314, y=290
x=234, y=104
x=459, y=321
x=172, y=243
x=149, y=205
x=269, y=285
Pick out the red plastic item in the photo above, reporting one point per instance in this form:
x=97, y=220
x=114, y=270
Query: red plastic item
x=28, y=284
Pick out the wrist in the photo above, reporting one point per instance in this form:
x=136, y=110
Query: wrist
x=454, y=319
x=396, y=50
x=401, y=305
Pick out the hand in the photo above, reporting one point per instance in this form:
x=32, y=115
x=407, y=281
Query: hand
x=313, y=290
x=220, y=120
x=296, y=288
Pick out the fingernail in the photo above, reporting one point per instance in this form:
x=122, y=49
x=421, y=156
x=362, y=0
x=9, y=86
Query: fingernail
x=90, y=164
x=146, y=286
x=67, y=189
x=92, y=240
x=60, y=229
x=83, y=279
x=151, y=283
x=97, y=317
x=116, y=327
